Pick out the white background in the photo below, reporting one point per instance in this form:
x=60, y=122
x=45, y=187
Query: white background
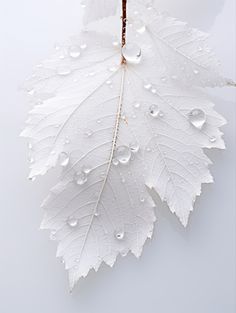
x=181, y=271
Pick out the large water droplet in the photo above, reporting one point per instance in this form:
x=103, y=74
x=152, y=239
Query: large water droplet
x=197, y=118
x=123, y=154
x=72, y=222
x=119, y=234
x=132, y=53
x=80, y=178
x=64, y=159
x=74, y=52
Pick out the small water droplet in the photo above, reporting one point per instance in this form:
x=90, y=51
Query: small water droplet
x=137, y=105
x=72, y=222
x=164, y=79
x=67, y=141
x=80, y=178
x=213, y=139
x=31, y=160
x=64, y=159
x=154, y=111
x=115, y=162
x=123, y=154
x=142, y=199
x=147, y=86
x=123, y=180
x=119, y=235
x=197, y=118
x=132, y=53
x=115, y=43
x=32, y=178
x=63, y=70
x=88, y=133
x=96, y=214
x=74, y=52
x=83, y=46
x=53, y=235
x=139, y=26
x=112, y=69
x=196, y=72
x=134, y=146
x=86, y=169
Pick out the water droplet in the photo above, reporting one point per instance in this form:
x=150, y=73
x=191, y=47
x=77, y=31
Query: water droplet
x=67, y=141
x=88, y=133
x=113, y=69
x=134, y=146
x=86, y=169
x=31, y=160
x=132, y=53
x=142, y=199
x=147, y=86
x=63, y=70
x=123, y=154
x=213, y=139
x=96, y=214
x=164, y=79
x=115, y=43
x=197, y=118
x=72, y=222
x=196, y=72
x=80, y=178
x=83, y=46
x=53, y=235
x=119, y=235
x=139, y=26
x=154, y=111
x=31, y=92
x=64, y=159
x=137, y=105
x=115, y=162
x=74, y=52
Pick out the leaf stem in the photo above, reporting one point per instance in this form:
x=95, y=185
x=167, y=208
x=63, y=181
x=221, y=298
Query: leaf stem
x=124, y=26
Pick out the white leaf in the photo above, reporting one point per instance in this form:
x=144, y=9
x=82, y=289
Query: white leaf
x=98, y=9
x=116, y=129
x=184, y=50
